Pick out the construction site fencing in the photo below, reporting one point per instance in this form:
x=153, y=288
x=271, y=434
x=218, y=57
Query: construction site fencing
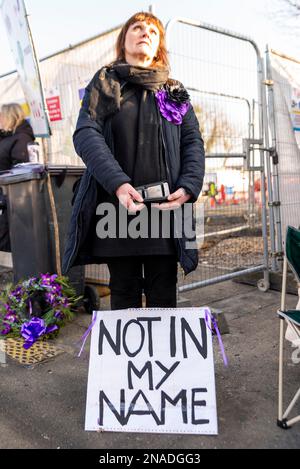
x=283, y=84
x=223, y=73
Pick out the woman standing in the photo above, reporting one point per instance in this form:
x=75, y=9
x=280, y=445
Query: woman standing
x=136, y=127
x=15, y=134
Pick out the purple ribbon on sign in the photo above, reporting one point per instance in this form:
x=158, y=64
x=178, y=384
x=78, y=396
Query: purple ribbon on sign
x=87, y=332
x=208, y=316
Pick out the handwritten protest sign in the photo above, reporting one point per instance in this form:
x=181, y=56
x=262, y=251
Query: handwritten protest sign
x=151, y=370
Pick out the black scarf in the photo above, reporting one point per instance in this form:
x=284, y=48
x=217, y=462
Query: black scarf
x=106, y=99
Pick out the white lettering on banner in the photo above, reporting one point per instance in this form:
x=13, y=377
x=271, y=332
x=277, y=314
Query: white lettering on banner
x=151, y=370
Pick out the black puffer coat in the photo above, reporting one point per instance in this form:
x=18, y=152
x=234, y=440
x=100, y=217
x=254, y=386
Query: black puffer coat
x=93, y=142
x=13, y=146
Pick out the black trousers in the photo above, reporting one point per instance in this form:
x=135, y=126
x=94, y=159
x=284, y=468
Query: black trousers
x=130, y=276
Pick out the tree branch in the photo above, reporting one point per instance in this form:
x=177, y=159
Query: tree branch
x=294, y=7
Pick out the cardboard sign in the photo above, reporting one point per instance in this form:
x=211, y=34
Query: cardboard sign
x=151, y=370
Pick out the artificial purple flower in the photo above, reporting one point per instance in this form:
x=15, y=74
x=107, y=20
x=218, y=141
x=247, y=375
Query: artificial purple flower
x=17, y=293
x=50, y=298
x=8, y=308
x=64, y=302
x=34, y=329
x=11, y=317
x=6, y=330
x=48, y=280
x=171, y=110
x=56, y=289
x=30, y=282
x=58, y=314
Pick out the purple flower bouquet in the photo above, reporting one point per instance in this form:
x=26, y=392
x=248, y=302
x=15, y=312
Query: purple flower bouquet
x=36, y=308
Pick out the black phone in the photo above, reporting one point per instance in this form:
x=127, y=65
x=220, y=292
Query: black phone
x=154, y=193
x=155, y=200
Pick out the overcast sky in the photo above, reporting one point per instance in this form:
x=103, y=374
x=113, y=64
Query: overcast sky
x=56, y=24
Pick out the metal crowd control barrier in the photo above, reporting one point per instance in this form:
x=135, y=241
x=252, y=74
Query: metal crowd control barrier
x=224, y=74
x=283, y=74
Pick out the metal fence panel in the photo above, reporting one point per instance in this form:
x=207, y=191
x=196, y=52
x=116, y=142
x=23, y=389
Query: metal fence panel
x=223, y=73
x=283, y=74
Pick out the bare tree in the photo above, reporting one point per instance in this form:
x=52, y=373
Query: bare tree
x=293, y=7
x=285, y=12
x=217, y=131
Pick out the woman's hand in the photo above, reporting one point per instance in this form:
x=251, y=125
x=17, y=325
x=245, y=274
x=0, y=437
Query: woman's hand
x=127, y=194
x=176, y=199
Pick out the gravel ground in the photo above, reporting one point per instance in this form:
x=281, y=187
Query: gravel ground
x=233, y=252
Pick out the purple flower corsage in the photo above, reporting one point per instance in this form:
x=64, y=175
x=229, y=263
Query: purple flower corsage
x=173, y=102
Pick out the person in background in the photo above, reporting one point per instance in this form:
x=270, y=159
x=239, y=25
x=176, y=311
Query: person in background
x=15, y=134
x=212, y=192
x=223, y=194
